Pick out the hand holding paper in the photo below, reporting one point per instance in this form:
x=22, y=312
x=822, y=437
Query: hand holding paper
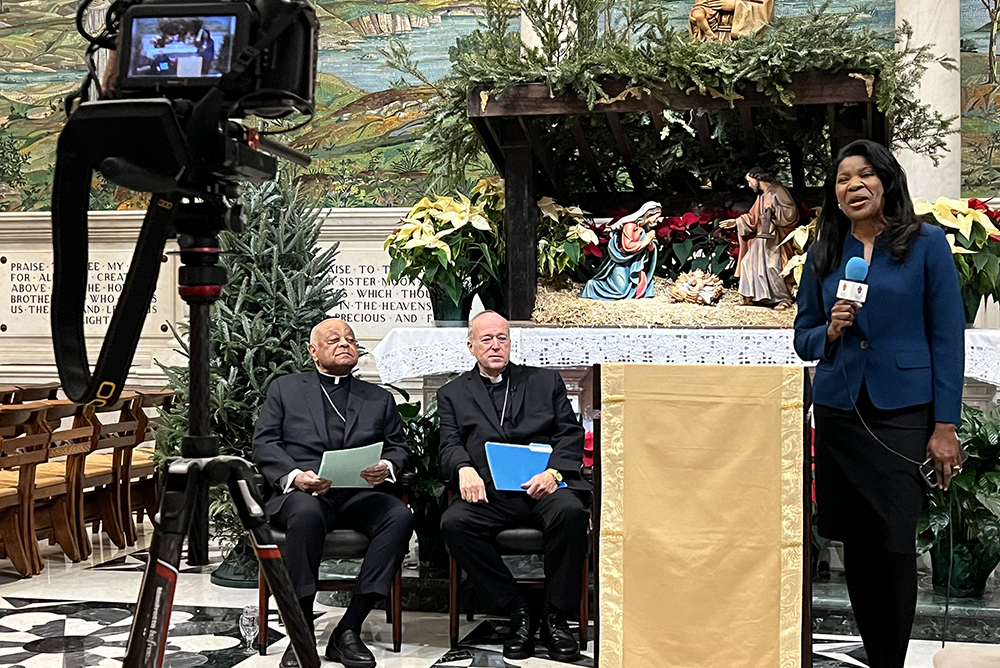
x=376, y=475
x=344, y=468
x=308, y=481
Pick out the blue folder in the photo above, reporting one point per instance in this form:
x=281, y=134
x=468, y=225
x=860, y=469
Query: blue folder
x=513, y=465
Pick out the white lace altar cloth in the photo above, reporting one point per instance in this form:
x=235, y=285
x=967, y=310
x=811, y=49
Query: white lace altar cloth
x=413, y=352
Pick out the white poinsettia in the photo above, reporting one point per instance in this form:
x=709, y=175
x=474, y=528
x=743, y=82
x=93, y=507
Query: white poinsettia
x=549, y=208
x=431, y=241
x=583, y=233
x=955, y=214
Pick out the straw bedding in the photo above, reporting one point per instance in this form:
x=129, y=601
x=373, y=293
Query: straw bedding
x=558, y=304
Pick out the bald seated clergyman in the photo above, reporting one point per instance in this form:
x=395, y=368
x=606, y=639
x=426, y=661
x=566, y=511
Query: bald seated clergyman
x=305, y=415
x=508, y=403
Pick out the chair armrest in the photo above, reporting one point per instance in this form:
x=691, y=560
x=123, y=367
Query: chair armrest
x=260, y=484
x=588, y=474
x=407, y=478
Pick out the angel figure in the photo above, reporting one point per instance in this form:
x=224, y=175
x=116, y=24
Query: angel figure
x=627, y=272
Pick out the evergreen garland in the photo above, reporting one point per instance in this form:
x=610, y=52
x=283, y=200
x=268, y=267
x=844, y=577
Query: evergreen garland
x=632, y=43
x=280, y=286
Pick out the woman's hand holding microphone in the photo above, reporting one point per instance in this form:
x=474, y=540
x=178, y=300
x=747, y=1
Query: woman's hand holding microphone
x=841, y=317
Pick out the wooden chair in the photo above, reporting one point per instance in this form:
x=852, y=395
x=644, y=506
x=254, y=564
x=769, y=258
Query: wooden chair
x=103, y=470
x=9, y=394
x=20, y=456
x=60, y=480
x=39, y=391
x=341, y=544
x=517, y=541
x=138, y=491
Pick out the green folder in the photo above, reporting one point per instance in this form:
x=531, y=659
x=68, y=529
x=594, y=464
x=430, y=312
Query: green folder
x=343, y=467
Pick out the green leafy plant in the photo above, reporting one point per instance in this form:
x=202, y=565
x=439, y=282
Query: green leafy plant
x=280, y=286
x=973, y=230
x=429, y=488
x=563, y=233
x=452, y=246
x=694, y=241
x=970, y=510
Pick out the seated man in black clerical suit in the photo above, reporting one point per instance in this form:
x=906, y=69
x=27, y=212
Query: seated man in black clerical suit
x=508, y=403
x=305, y=415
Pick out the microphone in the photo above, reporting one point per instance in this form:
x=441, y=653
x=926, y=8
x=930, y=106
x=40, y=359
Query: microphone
x=852, y=286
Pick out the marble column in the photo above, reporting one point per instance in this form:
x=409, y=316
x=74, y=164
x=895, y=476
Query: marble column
x=936, y=22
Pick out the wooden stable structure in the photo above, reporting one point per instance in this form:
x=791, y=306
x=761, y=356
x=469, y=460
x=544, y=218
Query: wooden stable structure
x=517, y=140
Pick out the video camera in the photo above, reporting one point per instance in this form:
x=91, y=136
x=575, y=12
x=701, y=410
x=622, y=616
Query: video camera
x=165, y=123
x=184, y=50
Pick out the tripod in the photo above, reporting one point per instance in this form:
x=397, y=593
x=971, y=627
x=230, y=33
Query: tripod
x=188, y=477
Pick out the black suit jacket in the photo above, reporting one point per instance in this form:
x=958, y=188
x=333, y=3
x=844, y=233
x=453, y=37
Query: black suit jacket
x=539, y=412
x=291, y=430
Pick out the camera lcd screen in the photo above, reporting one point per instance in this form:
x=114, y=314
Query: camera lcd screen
x=181, y=47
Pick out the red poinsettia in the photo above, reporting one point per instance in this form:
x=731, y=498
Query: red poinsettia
x=992, y=214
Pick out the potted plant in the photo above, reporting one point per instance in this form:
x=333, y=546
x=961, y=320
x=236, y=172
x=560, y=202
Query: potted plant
x=451, y=246
x=694, y=241
x=961, y=527
x=455, y=248
x=429, y=487
x=974, y=236
x=564, y=233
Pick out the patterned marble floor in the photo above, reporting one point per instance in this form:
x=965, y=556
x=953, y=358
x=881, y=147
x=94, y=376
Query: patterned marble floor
x=78, y=615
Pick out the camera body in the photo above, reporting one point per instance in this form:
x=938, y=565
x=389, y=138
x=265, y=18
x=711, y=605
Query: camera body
x=182, y=50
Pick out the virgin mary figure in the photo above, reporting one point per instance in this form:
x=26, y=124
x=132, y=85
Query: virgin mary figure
x=627, y=272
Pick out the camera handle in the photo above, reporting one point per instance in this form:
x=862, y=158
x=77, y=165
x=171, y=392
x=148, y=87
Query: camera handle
x=188, y=477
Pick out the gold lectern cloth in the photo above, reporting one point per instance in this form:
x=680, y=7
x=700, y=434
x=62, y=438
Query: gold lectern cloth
x=701, y=529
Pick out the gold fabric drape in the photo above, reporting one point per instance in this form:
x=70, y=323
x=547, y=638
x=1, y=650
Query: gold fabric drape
x=701, y=517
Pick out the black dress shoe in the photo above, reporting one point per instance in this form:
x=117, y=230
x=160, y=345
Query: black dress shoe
x=346, y=648
x=519, y=643
x=560, y=642
x=288, y=659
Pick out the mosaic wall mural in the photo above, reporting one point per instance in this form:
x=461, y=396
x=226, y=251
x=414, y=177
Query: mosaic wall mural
x=980, y=112
x=363, y=137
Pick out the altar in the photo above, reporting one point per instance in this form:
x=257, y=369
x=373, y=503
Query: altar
x=701, y=481
x=415, y=352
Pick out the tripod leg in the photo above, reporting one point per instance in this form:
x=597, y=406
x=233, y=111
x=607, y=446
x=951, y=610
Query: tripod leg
x=148, y=636
x=273, y=568
x=254, y=518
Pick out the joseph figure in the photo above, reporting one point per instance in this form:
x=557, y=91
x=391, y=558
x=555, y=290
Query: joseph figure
x=762, y=229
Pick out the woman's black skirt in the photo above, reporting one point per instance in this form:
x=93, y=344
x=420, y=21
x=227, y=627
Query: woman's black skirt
x=864, y=492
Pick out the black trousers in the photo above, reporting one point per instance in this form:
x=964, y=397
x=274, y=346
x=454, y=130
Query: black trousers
x=469, y=529
x=306, y=519
x=882, y=586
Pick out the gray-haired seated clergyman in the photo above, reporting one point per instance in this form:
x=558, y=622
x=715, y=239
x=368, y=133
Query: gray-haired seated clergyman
x=305, y=415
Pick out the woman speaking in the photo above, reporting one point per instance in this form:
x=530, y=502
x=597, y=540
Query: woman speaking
x=888, y=387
